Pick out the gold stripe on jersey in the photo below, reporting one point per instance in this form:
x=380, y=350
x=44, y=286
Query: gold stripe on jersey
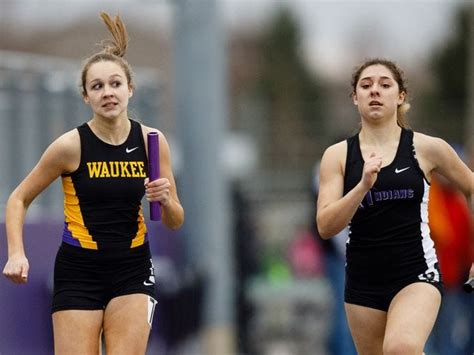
x=139, y=239
x=73, y=215
x=116, y=169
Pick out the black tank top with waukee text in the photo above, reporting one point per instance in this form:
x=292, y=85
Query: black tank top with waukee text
x=102, y=198
x=389, y=237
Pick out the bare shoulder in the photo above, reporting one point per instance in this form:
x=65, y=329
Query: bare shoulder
x=69, y=141
x=425, y=141
x=67, y=146
x=336, y=151
x=334, y=157
x=146, y=130
x=338, y=148
x=63, y=154
x=430, y=147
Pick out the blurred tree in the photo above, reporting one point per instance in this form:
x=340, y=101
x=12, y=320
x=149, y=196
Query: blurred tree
x=445, y=106
x=292, y=97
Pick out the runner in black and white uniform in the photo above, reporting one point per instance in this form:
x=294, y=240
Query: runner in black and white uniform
x=377, y=183
x=389, y=242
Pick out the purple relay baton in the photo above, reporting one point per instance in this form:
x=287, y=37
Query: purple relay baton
x=154, y=170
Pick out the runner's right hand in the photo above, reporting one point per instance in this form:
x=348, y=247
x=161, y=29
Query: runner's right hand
x=16, y=269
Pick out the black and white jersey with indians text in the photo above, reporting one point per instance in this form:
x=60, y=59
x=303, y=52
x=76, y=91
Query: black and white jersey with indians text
x=389, y=237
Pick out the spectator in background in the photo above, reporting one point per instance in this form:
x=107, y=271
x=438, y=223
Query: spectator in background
x=339, y=341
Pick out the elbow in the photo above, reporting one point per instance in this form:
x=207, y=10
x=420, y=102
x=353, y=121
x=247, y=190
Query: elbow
x=324, y=234
x=322, y=227
x=174, y=227
x=177, y=223
x=17, y=202
x=172, y=217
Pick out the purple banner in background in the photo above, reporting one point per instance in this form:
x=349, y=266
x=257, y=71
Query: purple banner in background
x=25, y=310
x=154, y=170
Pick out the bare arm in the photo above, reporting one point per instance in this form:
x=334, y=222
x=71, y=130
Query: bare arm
x=435, y=154
x=58, y=158
x=335, y=210
x=163, y=189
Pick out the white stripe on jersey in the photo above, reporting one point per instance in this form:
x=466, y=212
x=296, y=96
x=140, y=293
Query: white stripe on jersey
x=427, y=242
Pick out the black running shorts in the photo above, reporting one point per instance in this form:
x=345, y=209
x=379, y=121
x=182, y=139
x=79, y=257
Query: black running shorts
x=380, y=296
x=87, y=279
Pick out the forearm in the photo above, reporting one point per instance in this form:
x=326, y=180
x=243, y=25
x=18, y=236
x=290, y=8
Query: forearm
x=334, y=217
x=14, y=220
x=172, y=214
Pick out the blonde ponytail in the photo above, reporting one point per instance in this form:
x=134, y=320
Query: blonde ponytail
x=113, y=50
x=117, y=46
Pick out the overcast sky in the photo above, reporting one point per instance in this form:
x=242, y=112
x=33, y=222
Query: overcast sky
x=335, y=33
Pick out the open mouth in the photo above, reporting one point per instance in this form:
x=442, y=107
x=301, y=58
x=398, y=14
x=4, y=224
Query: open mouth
x=375, y=103
x=109, y=105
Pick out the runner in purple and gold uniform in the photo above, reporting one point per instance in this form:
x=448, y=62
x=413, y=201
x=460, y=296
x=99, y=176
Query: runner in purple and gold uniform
x=104, y=280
